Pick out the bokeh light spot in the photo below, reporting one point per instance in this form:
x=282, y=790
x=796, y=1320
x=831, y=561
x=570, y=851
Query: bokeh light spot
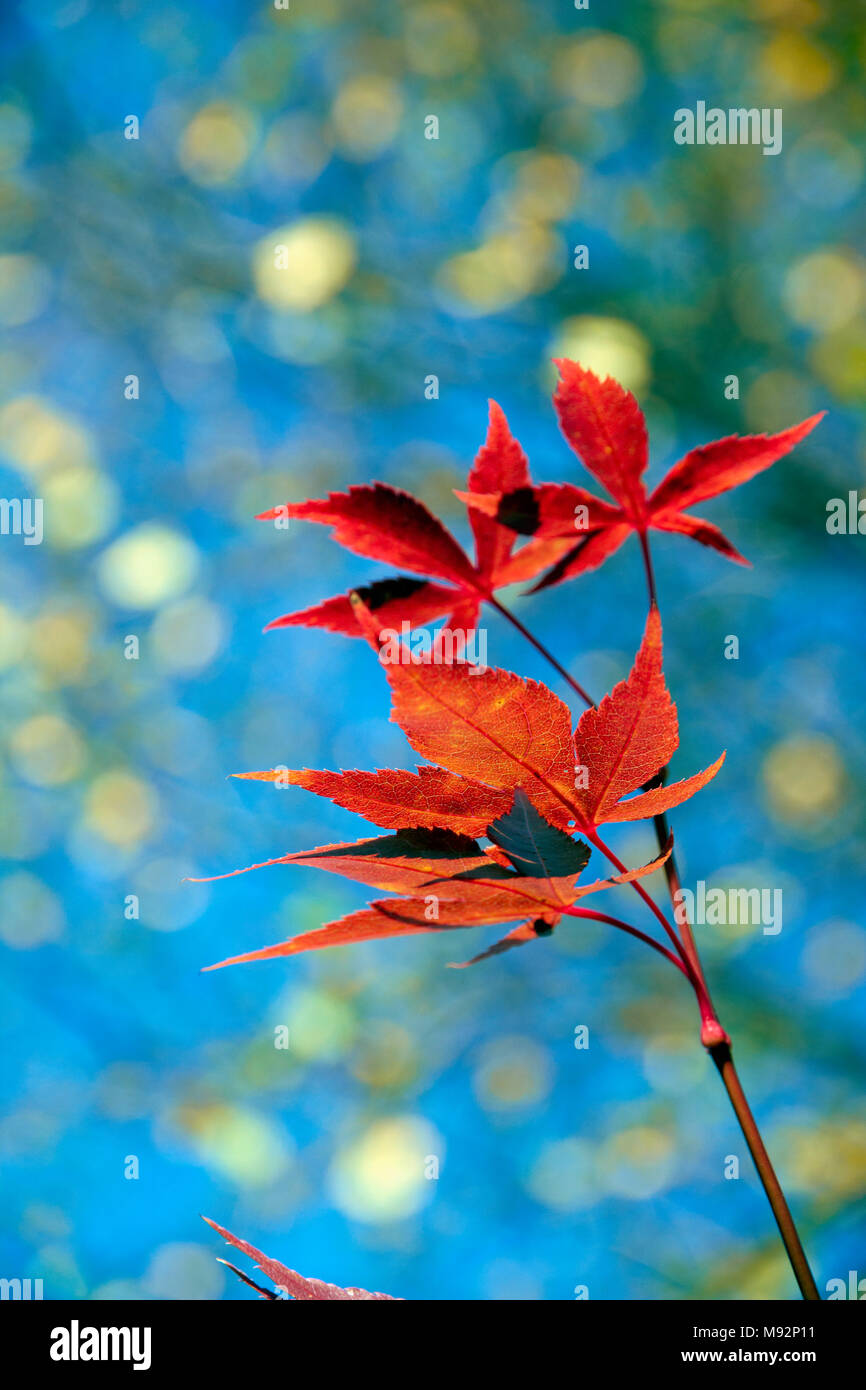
x=637, y=1162
x=385, y=1056
x=321, y=1025
x=825, y=1156
x=187, y=635
x=804, y=779
x=824, y=290
x=81, y=506
x=601, y=70
x=501, y=271
x=440, y=39
x=380, y=1175
x=250, y=1149
x=35, y=436
x=563, y=1176
x=147, y=566
x=365, y=117
x=30, y=914
x=47, y=750
x=60, y=644
x=217, y=142
x=794, y=67
x=120, y=808
x=25, y=286
x=609, y=347
x=304, y=264
x=512, y=1074
x=834, y=959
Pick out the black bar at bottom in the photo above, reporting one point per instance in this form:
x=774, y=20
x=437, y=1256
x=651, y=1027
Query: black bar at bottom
x=254, y=1339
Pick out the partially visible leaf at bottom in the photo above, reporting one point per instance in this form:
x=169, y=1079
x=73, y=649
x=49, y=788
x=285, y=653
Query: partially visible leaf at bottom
x=288, y=1280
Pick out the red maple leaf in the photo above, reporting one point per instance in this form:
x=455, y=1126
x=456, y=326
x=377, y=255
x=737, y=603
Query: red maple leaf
x=624, y=742
x=384, y=523
x=295, y=1286
x=605, y=426
x=507, y=732
x=394, y=799
x=510, y=767
x=537, y=875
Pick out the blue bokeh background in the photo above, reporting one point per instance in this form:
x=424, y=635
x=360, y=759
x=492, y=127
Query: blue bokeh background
x=153, y=257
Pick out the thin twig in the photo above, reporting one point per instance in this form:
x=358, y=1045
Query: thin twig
x=661, y=823
x=540, y=647
x=632, y=931
x=720, y=1051
x=713, y=1035
x=721, y=1055
x=591, y=704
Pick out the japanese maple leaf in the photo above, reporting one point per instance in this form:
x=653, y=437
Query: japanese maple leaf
x=605, y=426
x=624, y=742
x=394, y=799
x=401, y=863
x=531, y=867
x=507, y=732
x=286, y=1280
x=497, y=738
x=384, y=523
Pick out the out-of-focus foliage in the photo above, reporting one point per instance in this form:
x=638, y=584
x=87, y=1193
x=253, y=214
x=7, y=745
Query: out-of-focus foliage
x=304, y=129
